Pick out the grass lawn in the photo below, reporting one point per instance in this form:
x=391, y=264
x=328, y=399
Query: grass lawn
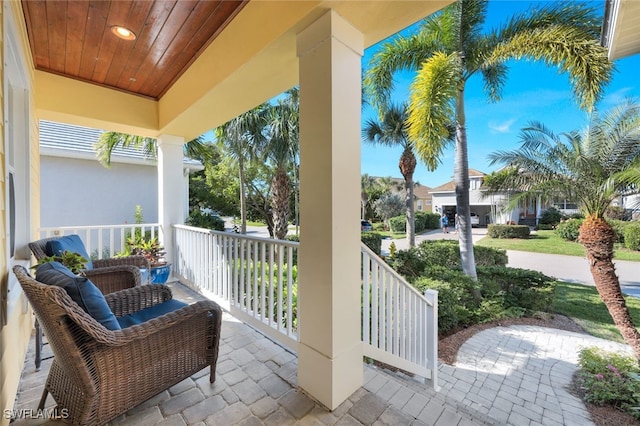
x=583, y=304
x=549, y=242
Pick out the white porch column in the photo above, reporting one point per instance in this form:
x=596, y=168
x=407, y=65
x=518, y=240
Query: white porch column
x=170, y=188
x=330, y=352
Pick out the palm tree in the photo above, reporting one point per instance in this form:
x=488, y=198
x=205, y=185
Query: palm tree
x=593, y=168
x=368, y=185
x=239, y=138
x=108, y=142
x=392, y=131
x=282, y=149
x=450, y=48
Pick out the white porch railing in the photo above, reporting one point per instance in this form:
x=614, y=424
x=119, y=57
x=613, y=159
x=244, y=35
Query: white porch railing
x=255, y=279
x=399, y=325
x=103, y=241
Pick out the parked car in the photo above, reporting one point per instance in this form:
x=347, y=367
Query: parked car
x=365, y=226
x=475, y=219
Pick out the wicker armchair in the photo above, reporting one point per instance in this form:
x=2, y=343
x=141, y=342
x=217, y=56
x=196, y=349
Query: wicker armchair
x=108, y=275
x=98, y=374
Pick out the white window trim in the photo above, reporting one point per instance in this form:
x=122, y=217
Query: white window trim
x=17, y=90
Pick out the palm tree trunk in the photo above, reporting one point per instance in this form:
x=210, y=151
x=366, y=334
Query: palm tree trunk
x=281, y=194
x=461, y=179
x=243, y=198
x=407, y=168
x=598, y=237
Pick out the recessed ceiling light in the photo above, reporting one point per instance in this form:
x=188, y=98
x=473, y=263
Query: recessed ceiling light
x=123, y=33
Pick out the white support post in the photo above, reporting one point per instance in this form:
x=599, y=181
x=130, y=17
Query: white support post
x=170, y=188
x=330, y=353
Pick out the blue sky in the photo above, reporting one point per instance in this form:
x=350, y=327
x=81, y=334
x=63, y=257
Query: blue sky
x=533, y=92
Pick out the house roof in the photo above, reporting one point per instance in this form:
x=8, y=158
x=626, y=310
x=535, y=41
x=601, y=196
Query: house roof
x=422, y=191
x=620, y=28
x=447, y=187
x=65, y=140
x=451, y=186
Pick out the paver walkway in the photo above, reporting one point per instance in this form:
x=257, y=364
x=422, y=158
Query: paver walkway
x=515, y=375
x=519, y=375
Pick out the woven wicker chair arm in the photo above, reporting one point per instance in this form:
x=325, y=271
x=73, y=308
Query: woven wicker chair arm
x=159, y=324
x=115, y=278
x=136, y=298
x=139, y=261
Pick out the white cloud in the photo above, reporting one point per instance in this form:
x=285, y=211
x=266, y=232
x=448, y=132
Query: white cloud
x=502, y=127
x=618, y=96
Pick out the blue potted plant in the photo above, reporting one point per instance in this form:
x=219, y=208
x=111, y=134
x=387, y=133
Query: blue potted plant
x=154, y=252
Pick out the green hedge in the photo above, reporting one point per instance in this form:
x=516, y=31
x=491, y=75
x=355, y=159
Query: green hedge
x=398, y=224
x=373, y=240
x=508, y=231
x=423, y=221
x=505, y=293
x=632, y=236
x=569, y=229
x=413, y=262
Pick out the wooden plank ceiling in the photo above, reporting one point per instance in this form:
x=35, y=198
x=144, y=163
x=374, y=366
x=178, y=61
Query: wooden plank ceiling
x=74, y=39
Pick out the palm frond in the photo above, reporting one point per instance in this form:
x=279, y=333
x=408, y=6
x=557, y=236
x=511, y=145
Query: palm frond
x=108, y=142
x=431, y=106
x=567, y=47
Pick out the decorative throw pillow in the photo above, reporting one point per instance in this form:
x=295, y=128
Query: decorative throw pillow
x=149, y=313
x=71, y=243
x=81, y=290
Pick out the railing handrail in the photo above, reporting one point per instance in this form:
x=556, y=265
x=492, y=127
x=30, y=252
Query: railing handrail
x=243, y=236
x=393, y=272
x=119, y=225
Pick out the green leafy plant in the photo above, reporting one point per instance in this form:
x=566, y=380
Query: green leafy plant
x=569, y=229
x=508, y=231
x=72, y=260
x=151, y=249
x=608, y=378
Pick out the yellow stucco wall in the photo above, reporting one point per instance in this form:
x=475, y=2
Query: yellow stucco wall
x=15, y=335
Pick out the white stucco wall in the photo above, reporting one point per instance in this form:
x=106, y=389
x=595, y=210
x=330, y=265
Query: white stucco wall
x=83, y=192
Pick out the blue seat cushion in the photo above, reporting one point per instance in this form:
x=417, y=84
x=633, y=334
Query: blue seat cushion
x=149, y=313
x=81, y=290
x=71, y=243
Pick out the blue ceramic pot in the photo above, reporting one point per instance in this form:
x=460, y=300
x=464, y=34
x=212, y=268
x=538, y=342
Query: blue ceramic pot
x=158, y=274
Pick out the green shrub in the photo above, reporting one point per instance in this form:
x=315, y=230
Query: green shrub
x=545, y=227
x=619, y=227
x=295, y=238
x=378, y=226
x=632, y=236
x=453, y=311
x=569, y=229
x=398, y=224
x=517, y=288
x=373, y=240
x=431, y=220
x=205, y=220
x=610, y=379
x=412, y=263
x=508, y=231
x=486, y=256
x=550, y=216
x=420, y=221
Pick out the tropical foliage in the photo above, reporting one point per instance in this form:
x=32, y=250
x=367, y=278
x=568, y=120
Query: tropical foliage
x=392, y=131
x=451, y=47
x=594, y=167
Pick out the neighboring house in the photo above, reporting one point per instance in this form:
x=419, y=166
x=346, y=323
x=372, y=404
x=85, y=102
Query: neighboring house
x=444, y=200
x=494, y=208
x=77, y=190
x=422, y=198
